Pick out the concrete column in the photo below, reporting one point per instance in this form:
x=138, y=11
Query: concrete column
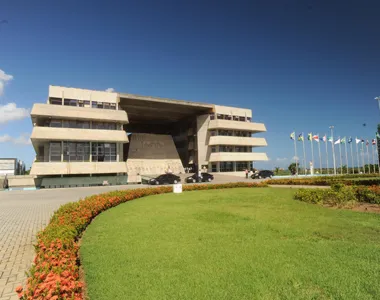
x=248, y=165
x=61, y=151
x=90, y=148
x=234, y=166
x=218, y=166
x=117, y=151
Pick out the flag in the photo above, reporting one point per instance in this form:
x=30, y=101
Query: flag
x=373, y=142
x=357, y=140
x=377, y=135
x=309, y=136
x=293, y=135
x=330, y=139
x=350, y=140
x=367, y=143
x=300, y=137
x=337, y=141
x=363, y=141
x=343, y=140
x=324, y=138
x=316, y=137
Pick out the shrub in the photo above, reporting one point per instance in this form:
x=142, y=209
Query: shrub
x=55, y=273
x=368, y=194
x=325, y=181
x=340, y=195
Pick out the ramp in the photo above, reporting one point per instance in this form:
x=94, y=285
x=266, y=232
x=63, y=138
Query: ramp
x=152, y=154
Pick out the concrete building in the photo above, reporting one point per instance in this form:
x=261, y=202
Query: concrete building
x=11, y=166
x=83, y=132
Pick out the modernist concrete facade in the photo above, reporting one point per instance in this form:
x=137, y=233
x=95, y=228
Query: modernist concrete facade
x=84, y=132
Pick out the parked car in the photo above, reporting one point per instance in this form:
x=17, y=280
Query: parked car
x=206, y=177
x=262, y=174
x=165, y=179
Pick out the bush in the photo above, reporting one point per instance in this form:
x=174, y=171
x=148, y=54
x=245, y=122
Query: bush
x=340, y=196
x=368, y=194
x=325, y=181
x=55, y=273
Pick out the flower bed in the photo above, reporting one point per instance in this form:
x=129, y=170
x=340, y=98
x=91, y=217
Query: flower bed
x=324, y=181
x=55, y=273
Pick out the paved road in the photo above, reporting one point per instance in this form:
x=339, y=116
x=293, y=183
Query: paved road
x=24, y=213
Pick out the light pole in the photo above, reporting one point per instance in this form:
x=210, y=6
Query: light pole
x=378, y=100
x=332, y=145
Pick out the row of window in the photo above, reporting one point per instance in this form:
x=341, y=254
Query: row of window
x=82, y=103
x=230, y=117
x=223, y=132
x=228, y=166
x=224, y=148
x=80, y=124
x=80, y=151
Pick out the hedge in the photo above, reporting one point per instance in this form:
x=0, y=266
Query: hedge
x=55, y=272
x=324, y=181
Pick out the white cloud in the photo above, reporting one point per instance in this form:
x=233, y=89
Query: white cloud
x=281, y=159
x=5, y=138
x=10, y=112
x=23, y=139
x=4, y=78
x=110, y=90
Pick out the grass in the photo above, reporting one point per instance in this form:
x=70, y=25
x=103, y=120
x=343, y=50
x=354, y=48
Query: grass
x=231, y=244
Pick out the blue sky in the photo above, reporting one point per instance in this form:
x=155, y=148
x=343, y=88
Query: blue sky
x=300, y=65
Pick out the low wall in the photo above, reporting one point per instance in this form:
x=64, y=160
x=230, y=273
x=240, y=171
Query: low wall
x=20, y=181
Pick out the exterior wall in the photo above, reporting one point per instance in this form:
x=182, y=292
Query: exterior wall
x=237, y=125
x=238, y=156
x=235, y=111
x=82, y=94
x=203, y=136
x=237, y=141
x=75, y=134
x=8, y=166
x=152, y=154
x=78, y=113
x=67, y=168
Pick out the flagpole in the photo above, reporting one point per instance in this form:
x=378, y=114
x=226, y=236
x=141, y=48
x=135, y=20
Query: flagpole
x=352, y=158
x=357, y=154
x=304, y=152
x=327, y=156
x=369, y=164
x=377, y=152
x=295, y=151
x=312, y=152
x=373, y=159
x=363, y=157
x=340, y=157
x=333, y=150
x=320, y=157
x=345, y=148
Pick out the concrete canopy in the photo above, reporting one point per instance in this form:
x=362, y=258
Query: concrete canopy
x=152, y=110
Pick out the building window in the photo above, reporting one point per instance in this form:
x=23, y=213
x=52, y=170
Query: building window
x=113, y=106
x=103, y=152
x=55, y=151
x=76, y=151
x=242, y=119
x=55, y=101
x=56, y=123
x=104, y=125
x=70, y=102
x=106, y=106
x=241, y=165
x=212, y=117
x=226, y=166
x=213, y=168
x=99, y=105
x=94, y=104
x=226, y=148
x=213, y=149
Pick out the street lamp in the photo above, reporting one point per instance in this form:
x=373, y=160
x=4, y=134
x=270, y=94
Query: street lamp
x=332, y=145
x=378, y=100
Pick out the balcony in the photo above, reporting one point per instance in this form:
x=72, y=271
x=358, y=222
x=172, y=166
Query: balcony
x=74, y=134
x=236, y=125
x=237, y=141
x=237, y=156
x=67, y=168
x=78, y=113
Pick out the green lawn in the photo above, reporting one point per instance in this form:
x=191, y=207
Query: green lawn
x=231, y=244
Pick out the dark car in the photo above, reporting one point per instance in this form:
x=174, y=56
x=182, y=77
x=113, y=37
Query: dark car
x=165, y=179
x=262, y=174
x=206, y=177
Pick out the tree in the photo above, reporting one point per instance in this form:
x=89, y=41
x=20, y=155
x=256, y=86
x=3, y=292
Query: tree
x=293, y=168
x=276, y=170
